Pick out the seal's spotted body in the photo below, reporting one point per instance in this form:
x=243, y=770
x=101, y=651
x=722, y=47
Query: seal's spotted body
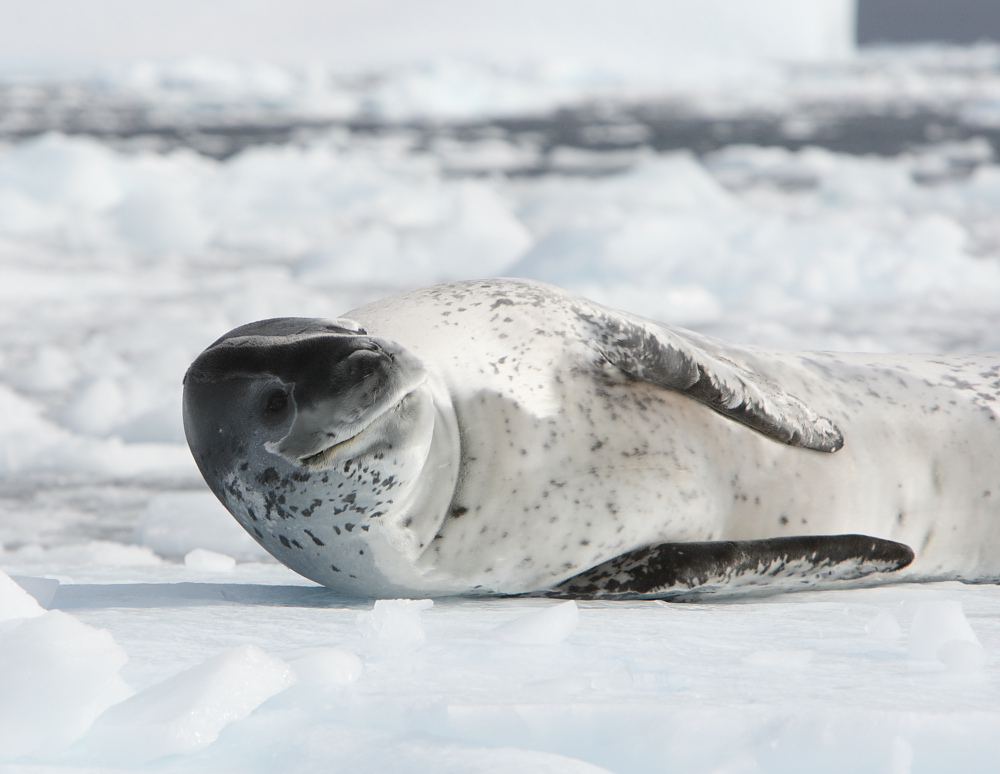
x=505, y=436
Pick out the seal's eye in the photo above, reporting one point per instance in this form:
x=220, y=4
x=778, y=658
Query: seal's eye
x=275, y=402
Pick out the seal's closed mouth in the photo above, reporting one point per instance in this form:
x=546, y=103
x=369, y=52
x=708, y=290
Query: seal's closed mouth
x=322, y=456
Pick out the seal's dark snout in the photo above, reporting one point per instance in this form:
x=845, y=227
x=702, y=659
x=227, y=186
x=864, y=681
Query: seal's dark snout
x=327, y=367
x=365, y=362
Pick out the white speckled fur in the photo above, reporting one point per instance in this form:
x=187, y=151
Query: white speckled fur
x=503, y=436
x=564, y=465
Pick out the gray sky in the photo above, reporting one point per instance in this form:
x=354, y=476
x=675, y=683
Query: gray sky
x=953, y=21
x=645, y=34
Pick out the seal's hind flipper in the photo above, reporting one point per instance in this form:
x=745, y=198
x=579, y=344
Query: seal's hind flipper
x=677, y=570
x=674, y=359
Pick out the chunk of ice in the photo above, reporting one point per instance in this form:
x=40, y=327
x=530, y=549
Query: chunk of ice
x=393, y=627
x=15, y=601
x=962, y=656
x=176, y=523
x=543, y=627
x=57, y=674
x=884, y=626
x=95, y=408
x=42, y=589
x=208, y=561
x=937, y=624
x=188, y=711
x=325, y=666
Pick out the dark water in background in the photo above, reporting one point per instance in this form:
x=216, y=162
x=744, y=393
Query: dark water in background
x=948, y=21
x=605, y=128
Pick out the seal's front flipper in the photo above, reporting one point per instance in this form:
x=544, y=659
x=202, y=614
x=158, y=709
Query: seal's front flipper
x=673, y=359
x=678, y=570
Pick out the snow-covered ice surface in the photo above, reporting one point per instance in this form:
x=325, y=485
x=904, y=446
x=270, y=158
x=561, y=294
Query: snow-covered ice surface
x=171, y=643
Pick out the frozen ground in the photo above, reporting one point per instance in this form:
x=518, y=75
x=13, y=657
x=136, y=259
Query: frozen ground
x=120, y=261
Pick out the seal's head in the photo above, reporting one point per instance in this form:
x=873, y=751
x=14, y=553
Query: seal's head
x=315, y=436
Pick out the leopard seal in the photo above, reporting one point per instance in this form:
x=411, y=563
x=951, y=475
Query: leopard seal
x=511, y=437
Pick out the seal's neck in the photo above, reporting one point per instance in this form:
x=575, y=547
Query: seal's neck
x=433, y=487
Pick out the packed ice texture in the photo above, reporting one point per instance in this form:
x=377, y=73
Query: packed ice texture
x=118, y=265
x=188, y=711
x=128, y=264
x=58, y=675
x=177, y=524
x=542, y=627
x=273, y=673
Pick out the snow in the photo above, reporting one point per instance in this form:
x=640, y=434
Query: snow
x=122, y=576
x=936, y=626
x=188, y=711
x=208, y=561
x=325, y=666
x=15, y=601
x=757, y=685
x=543, y=627
x=393, y=627
x=177, y=524
x=884, y=626
x=58, y=674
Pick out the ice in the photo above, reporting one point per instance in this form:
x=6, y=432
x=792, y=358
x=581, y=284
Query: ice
x=941, y=631
x=58, y=674
x=617, y=680
x=780, y=659
x=15, y=601
x=325, y=666
x=884, y=626
x=415, y=237
x=638, y=685
x=103, y=553
x=542, y=627
x=177, y=523
x=119, y=264
x=30, y=442
x=57, y=172
x=962, y=656
x=43, y=590
x=188, y=711
x=160, y=222
x=95, y=408
x=393, y=626
x=208, y=561
x=51, y=371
